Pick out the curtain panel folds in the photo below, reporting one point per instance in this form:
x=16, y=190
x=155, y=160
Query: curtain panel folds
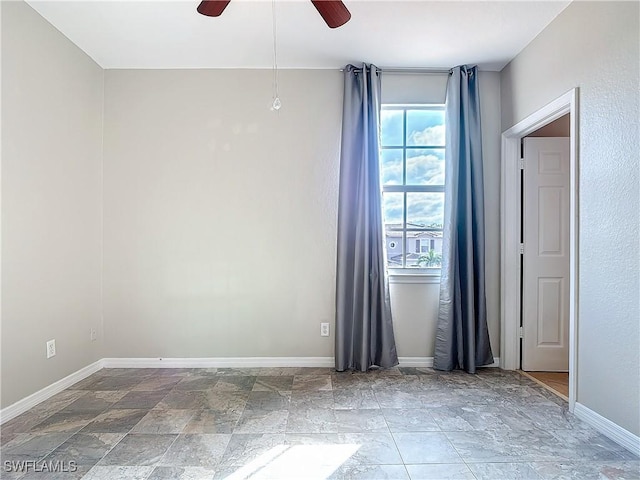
x=364, y=329
x=462, y=337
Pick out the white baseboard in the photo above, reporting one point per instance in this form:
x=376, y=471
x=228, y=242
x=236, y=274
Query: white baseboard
x=249, y=362
x=495, y=364
x=218, y=362
x=415, y=361
x=605, y=426
x=428, y=362
x=34, y=399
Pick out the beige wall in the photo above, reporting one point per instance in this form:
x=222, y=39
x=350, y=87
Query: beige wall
x=51, y=203
x=220, y=215
x=595, y=46
x=490, y=114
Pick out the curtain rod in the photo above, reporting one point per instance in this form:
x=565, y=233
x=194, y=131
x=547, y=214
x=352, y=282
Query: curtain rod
x=409, y=71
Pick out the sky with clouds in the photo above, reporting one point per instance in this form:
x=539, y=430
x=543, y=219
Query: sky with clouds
x=425, y=166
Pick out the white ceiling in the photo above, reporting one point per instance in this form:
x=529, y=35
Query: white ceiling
x=171, y=34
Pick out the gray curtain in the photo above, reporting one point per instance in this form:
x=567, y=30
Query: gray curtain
x=364, y=332
x=462, y=337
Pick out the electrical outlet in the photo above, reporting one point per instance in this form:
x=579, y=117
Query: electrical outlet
x=51, y=348
x=94, y=335
x=324, y=329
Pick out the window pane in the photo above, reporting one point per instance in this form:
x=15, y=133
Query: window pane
x=391, y=166
x=425, y=166
x=425, y=128
x=391, y=128
x=393, y=209
x=425, y=210
x=393, y=241
x=417, y=135
x=426, y=251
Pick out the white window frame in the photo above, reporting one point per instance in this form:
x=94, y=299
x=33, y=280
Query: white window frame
x=408, y=274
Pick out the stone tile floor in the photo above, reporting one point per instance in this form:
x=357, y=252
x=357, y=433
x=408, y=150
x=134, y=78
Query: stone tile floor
x=307, y=423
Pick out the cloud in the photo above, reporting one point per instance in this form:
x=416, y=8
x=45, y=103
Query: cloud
x=391, y=127
x=425, y=169
x=391, y=167
x=431, y=136
x=393, y=206
x=422, y=168
x=423, y=209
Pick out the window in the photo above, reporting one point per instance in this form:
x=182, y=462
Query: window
x=412, y=176
x=425, y=244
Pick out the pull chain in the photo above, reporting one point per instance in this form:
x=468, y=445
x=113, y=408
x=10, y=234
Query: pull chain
x=276, y=98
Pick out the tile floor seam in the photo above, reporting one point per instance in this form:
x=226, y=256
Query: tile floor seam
x=464, y=460
x=244, y=407
x=394, y=440
x=395, y=443
x=155, y=465
x=119, y=441
x=57, y=446
x=106, y=453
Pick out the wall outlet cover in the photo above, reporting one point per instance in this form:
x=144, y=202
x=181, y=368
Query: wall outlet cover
x=51, y=348
x=324, y=329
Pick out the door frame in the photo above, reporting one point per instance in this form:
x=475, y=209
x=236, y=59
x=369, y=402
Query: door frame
x=510, y=218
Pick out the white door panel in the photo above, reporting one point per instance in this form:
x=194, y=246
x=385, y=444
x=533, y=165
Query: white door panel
x=546, y=255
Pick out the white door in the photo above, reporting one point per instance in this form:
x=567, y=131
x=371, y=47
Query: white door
x=545, y=292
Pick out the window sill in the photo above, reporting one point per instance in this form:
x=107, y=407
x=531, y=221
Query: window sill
x=412, y=277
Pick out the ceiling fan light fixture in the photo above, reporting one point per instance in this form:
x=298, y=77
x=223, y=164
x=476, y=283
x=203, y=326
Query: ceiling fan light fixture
x=212, y=8
x=333, y=12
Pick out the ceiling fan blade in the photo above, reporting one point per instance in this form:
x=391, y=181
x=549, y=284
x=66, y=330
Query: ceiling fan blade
x=212, y=8
x=332, y=11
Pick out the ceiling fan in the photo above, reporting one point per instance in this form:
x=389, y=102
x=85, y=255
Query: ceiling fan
x=334, y=13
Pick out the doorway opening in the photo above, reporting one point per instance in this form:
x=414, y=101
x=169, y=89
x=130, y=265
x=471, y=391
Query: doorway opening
x=556, y=382
x=539, y=300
